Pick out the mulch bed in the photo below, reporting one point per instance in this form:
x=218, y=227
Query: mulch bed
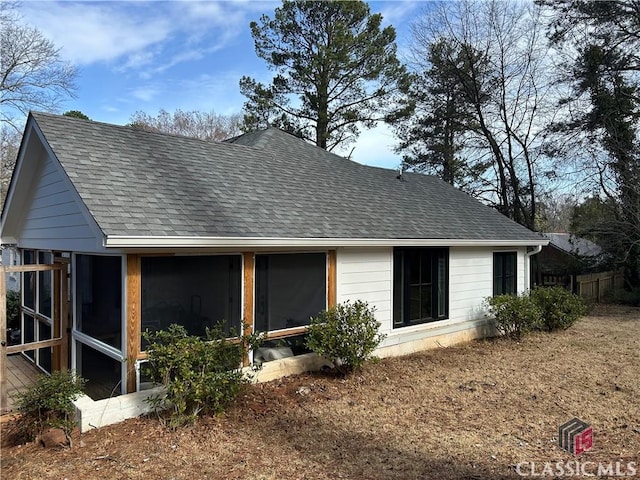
x=472, y=411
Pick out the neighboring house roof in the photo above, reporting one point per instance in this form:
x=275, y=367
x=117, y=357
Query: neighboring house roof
x=573, y=245
x=266, y=184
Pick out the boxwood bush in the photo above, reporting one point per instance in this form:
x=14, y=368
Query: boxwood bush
x=200, y=375
x=544, y=308
x=346, y=335
x=48, y=403
x=512, y=315
x=559, y=308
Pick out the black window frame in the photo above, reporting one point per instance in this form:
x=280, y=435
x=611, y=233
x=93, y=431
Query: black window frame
x=403, y=264
x=501, y=277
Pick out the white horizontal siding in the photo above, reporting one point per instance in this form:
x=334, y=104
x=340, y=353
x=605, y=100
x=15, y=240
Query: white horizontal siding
x=366, y=274
x=53, y=216
x=471, y=280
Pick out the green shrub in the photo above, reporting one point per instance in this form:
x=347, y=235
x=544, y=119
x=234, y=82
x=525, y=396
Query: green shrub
x=13, y=309
x=200, y=376
x=513, y=316
x=559, y=308
x=48, y=404
x=346, y=335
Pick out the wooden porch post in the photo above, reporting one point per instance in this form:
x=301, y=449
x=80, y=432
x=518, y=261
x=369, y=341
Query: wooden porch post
x=64, y=318
x=57, y=319
x=248, y=262
x=133, y=318
x=331, y=279
x=60, y=312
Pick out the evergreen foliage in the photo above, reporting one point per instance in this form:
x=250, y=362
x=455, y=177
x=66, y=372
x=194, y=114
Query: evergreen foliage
x=346, y=334
x=336, y=70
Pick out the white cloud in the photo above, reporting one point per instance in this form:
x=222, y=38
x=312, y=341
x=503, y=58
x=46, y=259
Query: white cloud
x=396, y=13
x=89, y=32
x=136, y=35
x=146, y=93
x=138, y=55
x=222, y=92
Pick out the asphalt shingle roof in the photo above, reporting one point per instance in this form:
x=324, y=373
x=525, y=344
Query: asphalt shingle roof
x=574, y=245
x=263, y=184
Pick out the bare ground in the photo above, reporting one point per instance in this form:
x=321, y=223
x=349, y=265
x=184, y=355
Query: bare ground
x=473, y=411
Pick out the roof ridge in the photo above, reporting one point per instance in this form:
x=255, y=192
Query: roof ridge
x=124, y=127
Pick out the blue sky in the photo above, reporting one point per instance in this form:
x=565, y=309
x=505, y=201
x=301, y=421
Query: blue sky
x=135, y=55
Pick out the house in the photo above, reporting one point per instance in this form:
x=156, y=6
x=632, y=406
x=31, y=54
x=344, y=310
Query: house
x=565, y=257
x=265, y=228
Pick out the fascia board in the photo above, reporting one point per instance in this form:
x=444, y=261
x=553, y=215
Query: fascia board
x=118, y=241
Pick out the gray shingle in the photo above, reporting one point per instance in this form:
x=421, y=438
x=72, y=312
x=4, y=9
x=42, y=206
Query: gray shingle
x=263, y=184
x=574, y=245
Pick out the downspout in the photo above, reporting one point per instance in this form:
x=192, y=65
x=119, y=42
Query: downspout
x=527, y=266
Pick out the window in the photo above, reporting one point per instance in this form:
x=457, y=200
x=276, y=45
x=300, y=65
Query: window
x=102, y=372
x=504, y=273
x=45, y=285
x=37, y=296
x=420, y=285
x=197, y=292
x=97, y=346
x=290, y=289
x=99, y=298
x=29, y=281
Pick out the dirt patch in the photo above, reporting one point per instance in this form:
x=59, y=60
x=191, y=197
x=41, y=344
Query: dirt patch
x=473, y=411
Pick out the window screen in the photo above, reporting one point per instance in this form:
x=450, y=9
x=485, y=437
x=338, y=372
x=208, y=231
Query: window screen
x=193, y=291
x=99, y=298
x=29, y=280
x=290, y=289
x=103, y=373
x=45, y=285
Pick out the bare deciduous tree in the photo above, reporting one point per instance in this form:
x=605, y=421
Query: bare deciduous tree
x=208, y=126
x=33, y=76
x=9, y=145
x=502, y=51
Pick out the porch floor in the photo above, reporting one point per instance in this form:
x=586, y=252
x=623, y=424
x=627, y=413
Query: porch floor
x=21, y=374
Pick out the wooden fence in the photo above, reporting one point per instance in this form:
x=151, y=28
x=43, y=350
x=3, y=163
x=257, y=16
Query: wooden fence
x=59, y=342
x=595, y=286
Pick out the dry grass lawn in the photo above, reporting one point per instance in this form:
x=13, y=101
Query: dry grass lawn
x=473, y=411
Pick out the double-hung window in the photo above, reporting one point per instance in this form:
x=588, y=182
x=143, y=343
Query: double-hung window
x=420, y=285
x=505, y=273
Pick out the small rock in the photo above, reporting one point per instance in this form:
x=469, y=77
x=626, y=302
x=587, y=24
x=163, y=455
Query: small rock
x=53, y=437
x=303, y=391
